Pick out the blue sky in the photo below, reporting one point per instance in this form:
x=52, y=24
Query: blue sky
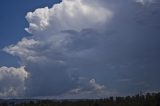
x=79, y=48
x=12, y=23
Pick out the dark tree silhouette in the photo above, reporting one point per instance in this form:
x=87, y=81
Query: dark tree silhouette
x=150, y=99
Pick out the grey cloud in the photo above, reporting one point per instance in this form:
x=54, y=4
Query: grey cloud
x=124, y=45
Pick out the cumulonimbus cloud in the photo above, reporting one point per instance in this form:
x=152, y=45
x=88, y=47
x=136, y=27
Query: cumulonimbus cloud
x=46, y=24
x=55, y=32
x=90, y=39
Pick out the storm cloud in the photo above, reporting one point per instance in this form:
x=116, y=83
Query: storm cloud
x=114, y=43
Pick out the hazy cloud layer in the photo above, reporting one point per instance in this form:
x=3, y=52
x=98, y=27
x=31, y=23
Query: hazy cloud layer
x=114, y=42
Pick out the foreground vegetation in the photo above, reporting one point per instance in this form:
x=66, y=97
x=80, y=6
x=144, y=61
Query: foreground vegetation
x=138, y=100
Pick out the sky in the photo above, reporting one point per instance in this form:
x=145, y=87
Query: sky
x=65, y=49
x=12, y=18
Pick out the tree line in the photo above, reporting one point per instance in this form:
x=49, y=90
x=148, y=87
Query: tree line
x=149, y=99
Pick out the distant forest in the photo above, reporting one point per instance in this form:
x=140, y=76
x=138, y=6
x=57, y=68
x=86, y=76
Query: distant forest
x=149, y=99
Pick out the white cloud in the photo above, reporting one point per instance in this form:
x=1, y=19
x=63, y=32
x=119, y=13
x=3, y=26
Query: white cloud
x=143, y=2
x=91, y=90
x=12, y=81
x=47, y=26
x=25, y=49
x=96, y=86
x=67, y=15
x=38, y=20
x=91, y=87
